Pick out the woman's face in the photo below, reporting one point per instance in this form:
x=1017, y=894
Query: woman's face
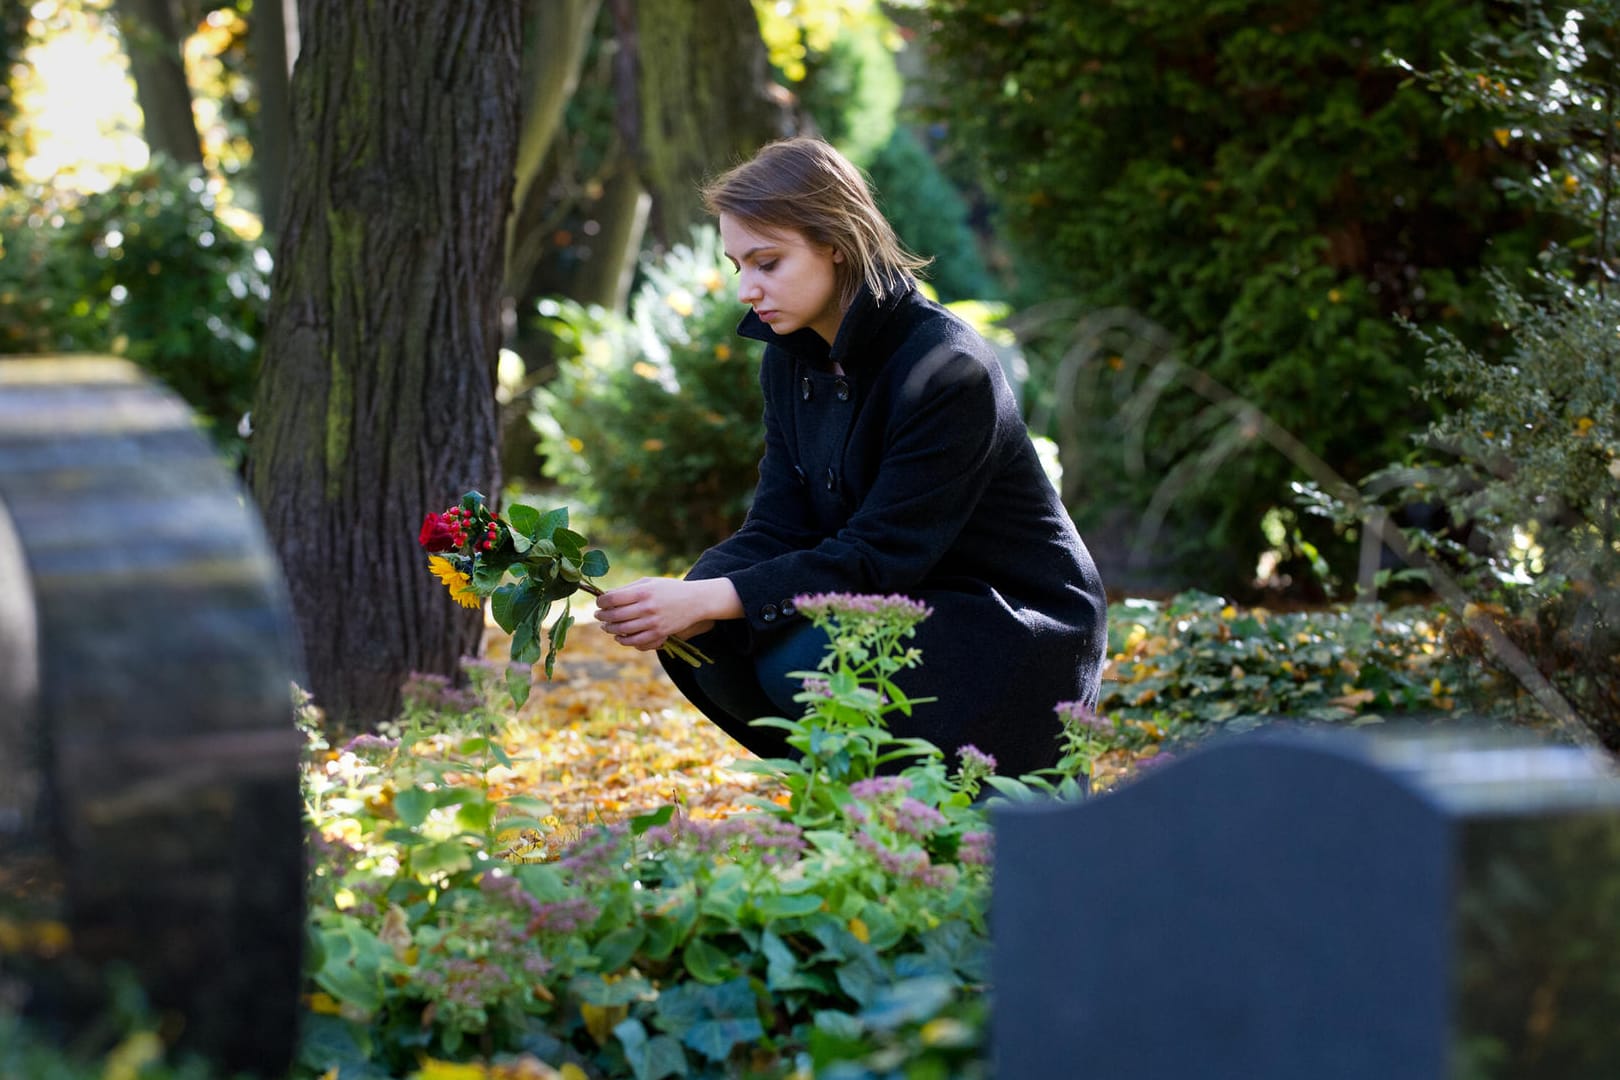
x=788, y=281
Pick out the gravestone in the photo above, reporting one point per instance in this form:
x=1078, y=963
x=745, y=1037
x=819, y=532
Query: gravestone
x=1281, y=907
x=150, y=817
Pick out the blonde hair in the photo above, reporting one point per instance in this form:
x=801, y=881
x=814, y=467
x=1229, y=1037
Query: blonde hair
x=803, y=184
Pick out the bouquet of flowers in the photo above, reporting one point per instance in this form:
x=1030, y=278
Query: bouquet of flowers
x=522, y=563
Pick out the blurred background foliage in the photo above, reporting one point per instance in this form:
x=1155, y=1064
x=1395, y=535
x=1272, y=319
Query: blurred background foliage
x=1255, y=180
x=1260, y=192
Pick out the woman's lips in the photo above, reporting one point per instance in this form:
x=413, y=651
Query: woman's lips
x=765, y=316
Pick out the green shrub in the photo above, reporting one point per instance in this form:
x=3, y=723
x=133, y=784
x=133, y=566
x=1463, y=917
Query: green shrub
x=1197, y=666
x=654, y=420
x=931, y=217
x=839, y=929
x=1524, y=463
x=145, y=270
x=853, y=92
x=125, y=1041
x=1252, y=178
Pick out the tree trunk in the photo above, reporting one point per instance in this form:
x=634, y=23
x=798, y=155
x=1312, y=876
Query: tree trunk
x=605, y=277
x=376, y=400
x=272, y=69
x=555, y=40
x=14, y=20
x=705, y=98
x=152, y=38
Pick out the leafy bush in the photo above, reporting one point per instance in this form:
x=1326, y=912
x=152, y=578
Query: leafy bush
x=1251, y=178
x=931, y=217
x=852, y=90
x=125, y=1042
x=654, y=420
x=1197, y=666
x=839, y=927
x=1525, y=462
x=145, y=270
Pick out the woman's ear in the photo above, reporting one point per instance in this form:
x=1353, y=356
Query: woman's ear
x=838, y=256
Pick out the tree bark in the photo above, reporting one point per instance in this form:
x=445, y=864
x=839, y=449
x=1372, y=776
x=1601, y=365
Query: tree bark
x=152, y=39
x=376, y=400
x=705, y=99
x=555, y=40
x=605, y=277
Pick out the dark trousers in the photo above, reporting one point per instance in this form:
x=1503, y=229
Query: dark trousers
x=746, y=687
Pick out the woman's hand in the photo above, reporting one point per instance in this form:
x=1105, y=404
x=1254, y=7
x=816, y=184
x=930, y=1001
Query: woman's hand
x=648, y=612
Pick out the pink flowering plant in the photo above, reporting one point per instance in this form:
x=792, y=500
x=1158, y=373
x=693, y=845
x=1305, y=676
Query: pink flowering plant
x=841, y=927
x=843, y=735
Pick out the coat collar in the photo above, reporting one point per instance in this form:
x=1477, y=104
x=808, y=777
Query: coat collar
x=860, y=329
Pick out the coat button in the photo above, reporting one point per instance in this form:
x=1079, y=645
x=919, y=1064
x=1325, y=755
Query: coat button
x=832, y=479
x=768, y=613
x=788, y=610
x=804, y=388
x=841, y=388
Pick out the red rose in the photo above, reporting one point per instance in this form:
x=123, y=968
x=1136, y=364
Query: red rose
x=438, y=534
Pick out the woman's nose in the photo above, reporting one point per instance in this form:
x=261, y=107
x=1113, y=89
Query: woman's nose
x=748, y=291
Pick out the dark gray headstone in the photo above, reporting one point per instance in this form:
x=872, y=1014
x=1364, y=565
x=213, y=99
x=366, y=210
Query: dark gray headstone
x=1304, y=906
x=150, y=817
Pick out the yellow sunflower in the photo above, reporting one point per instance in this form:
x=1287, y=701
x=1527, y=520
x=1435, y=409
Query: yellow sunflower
x=459, y=584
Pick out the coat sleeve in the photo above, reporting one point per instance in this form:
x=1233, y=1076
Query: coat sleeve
x=777, y=521
x=937, y=461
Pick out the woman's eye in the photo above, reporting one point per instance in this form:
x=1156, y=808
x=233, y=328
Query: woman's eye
x=767, y=267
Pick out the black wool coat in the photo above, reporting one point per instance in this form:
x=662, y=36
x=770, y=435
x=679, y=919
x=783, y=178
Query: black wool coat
x=913, y=473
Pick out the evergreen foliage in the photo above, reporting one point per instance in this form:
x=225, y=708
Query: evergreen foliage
x=144, y=270
x=852, y=91
x=1526, y=458
x=931, y=217
x=14, y=19
x=1252, y=177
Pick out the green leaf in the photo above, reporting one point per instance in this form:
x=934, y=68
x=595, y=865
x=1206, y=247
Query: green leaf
x=569, y=543
x=558, y=635
x=862, y=976
x=525, y=647
x=328, y=1042
x=519, y=821
x=712, y=1020
x=594, y=564
x=662, y=934
x=615, y=950
x=550, y=522
x=446, y=856
x=909, y=1001
x=596, y=990
x=528, y=804
x=650, y=1059
x=474, y=816
x=413, y=804
x=518, y=685
x=782, y=970
x=523, y=518
x=653, y=818
x=353, y=960
x=782, y=906
x=516, y=601
x=705, y=962
x=487, y=576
